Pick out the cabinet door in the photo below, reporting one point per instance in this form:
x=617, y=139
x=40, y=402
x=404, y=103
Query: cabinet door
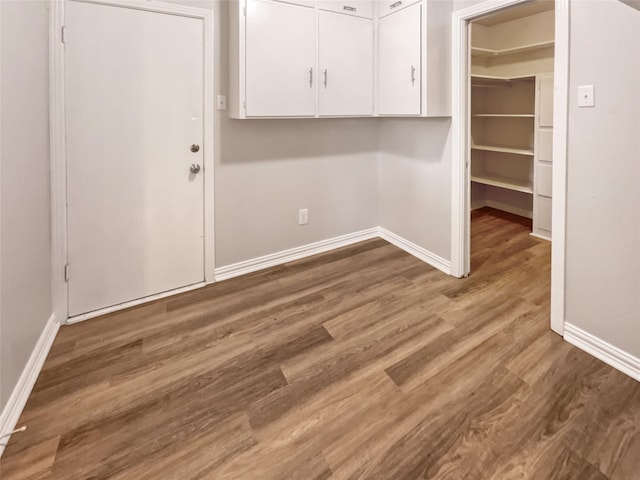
x=545, y=90
x=399, y=62
x=346, y=65
x=304, y=3
x=358, y=8
x=387, y=7
x=280, y=60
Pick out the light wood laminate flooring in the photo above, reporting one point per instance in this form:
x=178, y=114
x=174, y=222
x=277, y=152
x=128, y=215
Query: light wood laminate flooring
x=361, y=363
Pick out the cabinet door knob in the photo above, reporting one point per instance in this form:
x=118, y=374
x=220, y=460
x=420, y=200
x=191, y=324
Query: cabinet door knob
x=349, y=9
x=311, y=77
x=194, y=168
x=413, y=75
x=394, y=5
x=326, y=77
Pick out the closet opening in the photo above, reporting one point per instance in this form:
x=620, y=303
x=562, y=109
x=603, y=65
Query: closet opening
x=511, y=117
x=510, y=131
x=511, y=46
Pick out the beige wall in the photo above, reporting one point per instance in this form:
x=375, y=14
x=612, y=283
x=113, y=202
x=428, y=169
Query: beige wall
x=25, y=300
x=603, y=199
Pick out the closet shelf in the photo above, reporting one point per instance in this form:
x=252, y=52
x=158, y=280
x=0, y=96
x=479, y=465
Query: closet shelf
x=489, y=52
x=504, y=115
x=503, y=149
x=495, y=81
x=509, y=183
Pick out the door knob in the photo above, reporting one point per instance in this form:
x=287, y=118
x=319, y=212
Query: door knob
x=195, y=168
x=195, y=148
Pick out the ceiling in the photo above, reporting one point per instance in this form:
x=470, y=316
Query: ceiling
x=513, y=13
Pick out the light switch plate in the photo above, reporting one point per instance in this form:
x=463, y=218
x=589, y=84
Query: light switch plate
x=221, y=102
x=586, y=96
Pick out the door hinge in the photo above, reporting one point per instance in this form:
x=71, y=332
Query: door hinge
x=63, y=32
x=66, y=272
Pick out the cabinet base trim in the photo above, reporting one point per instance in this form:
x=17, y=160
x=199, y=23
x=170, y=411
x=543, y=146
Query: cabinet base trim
x=613, y=356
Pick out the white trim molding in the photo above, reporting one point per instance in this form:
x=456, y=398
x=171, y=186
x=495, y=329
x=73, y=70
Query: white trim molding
x=618, y=359
x=18, y=399
x=57, y=135
x=560, y=159
x=417, y=251
x=133, y=303
x=296, y=253
x=58, y=145
x=285, y=256
x=460, y=182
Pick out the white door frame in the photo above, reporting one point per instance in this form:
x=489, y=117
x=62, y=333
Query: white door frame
x=58, y=148
x=461, y=124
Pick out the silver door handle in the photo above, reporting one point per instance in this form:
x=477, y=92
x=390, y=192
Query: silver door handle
x=311, y=77
x=349, y=9
x=413, y=75
x=394, y=5
x=325, y=78
x=194, y=168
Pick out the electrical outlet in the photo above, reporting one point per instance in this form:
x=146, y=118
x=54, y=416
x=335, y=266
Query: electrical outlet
x=303, y=216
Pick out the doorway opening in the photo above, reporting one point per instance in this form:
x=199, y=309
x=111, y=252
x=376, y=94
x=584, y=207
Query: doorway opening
x=509, y=133
x=511, y=115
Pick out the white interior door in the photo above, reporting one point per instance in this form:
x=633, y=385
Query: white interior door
x=134, y=106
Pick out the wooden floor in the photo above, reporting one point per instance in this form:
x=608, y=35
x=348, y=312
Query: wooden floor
x=359, y=363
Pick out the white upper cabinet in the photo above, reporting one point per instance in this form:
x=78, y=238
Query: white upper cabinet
x=387, y=7
x=332, y=58
x=346, y=65
x=399, y=62
x=280, y=72
x=303, y=3
x=358, y=8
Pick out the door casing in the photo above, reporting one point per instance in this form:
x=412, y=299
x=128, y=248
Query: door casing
x=58, y=148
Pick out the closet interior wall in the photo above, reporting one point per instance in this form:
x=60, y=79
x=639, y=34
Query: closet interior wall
x=512, y=54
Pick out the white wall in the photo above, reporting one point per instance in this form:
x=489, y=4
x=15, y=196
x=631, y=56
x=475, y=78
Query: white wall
x=268, y=169
x=415, y=177
x=415, y=181
x=603, y=200
x=25, y=299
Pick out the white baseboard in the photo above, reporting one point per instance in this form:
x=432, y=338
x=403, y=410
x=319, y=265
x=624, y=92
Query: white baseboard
x=18, y=399
x=417, y=251
x=541, y=236
x=133, y=303
x=278, y=258
x=602, y=350
x=505, y=207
